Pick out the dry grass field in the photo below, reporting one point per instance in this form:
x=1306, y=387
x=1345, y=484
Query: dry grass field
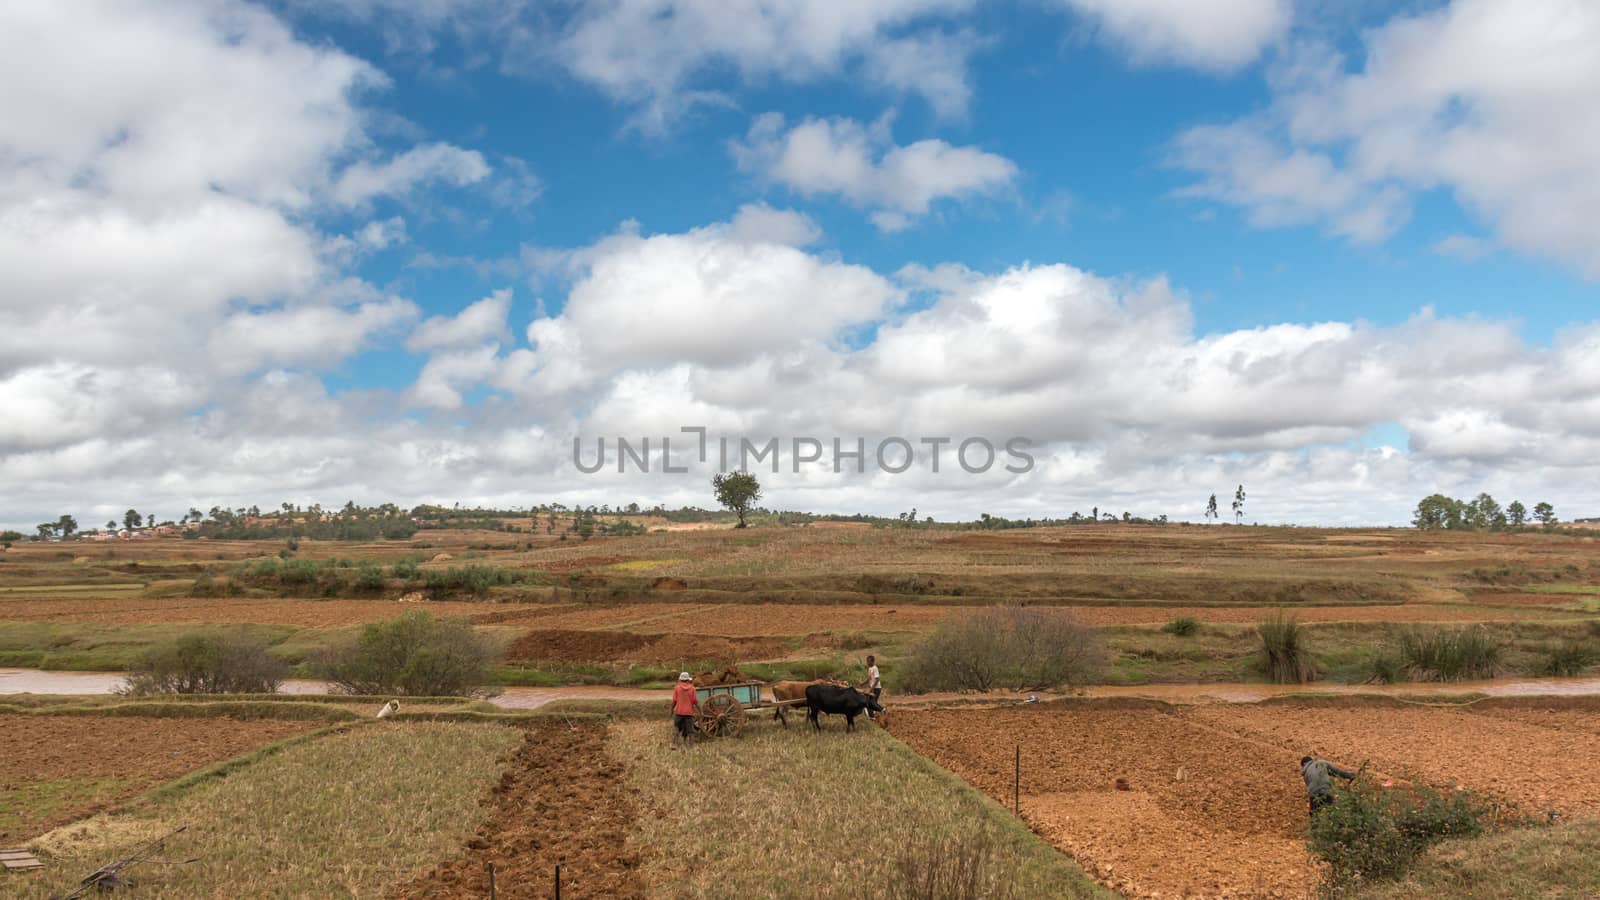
x=811, y=598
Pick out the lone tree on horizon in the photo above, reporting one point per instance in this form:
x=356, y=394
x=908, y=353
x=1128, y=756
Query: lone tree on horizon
x=1211, y=508
x=1545, y=513
x=737, y=491
x=1238, y=505
x=1516, y=514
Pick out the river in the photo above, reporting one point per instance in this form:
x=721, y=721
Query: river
x=41, y=681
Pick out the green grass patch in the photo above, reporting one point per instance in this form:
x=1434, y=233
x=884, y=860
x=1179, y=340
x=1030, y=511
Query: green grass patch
x=112, y=587
x=644, y=565
x=1557, y=589
x=95, y=646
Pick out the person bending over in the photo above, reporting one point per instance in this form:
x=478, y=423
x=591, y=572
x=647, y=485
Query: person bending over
x=1318, y=775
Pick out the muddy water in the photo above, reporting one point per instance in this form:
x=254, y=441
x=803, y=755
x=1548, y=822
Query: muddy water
x=39, y=681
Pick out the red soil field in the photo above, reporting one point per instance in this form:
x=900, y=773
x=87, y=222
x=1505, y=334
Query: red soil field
x=137, y=751
x=1216, y=805
x=137, y=610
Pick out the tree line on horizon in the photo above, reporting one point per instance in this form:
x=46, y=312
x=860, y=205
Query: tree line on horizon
x=1437, y=512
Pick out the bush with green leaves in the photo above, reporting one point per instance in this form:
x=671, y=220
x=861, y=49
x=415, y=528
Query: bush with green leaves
x=1183, y=626
x=207, y=663
x=369, y=578
x=1371, y=833
x=1285, y=656
x=1020, y=648
x=405, y=568
x=470, y=579
x=413, y=655
x=1433, y=653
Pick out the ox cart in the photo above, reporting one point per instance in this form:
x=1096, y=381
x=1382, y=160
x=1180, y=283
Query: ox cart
x=724, y=707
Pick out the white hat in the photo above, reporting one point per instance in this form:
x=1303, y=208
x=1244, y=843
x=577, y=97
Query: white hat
x=685, y=676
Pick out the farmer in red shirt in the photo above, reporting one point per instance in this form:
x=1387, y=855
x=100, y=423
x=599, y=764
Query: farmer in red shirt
x=684, y=703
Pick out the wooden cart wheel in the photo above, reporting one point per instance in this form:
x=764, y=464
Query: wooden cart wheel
x=720, y=716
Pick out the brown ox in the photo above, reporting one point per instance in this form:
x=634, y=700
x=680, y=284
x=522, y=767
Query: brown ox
x=793, y=691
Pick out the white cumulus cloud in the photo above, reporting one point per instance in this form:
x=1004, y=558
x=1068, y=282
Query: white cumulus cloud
x=863, y=166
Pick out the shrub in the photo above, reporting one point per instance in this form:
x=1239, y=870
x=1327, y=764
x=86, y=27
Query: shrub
x=207, y=664
x=1449, y=654
x=296, y=571
x=472, y=579
x=1182, y=627
x=1285, y=656
x=1385, y=667
x=1371, y=834
x=1567, y=658
x=369, y=578
x=1006, y=646
x=405, y=568
x=929, y=868
x=414, y=655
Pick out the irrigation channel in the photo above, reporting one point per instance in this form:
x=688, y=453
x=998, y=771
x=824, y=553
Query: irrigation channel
x=43, y=681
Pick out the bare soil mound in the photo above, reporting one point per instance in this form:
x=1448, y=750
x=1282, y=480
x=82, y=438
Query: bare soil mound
x=577, y=645
x=573, y=645
x=561, y=799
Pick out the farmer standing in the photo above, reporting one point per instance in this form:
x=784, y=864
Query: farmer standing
x=684, y=703
x=1319, y=789
x=874, y=683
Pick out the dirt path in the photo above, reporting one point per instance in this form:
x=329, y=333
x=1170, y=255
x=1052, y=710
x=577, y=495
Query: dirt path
x=562, y=799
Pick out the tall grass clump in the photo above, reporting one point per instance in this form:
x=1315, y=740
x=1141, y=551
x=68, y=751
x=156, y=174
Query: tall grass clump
x=1567, y=658
x=1183, y=626
x=1285, y=656
x=1385, y=667
x=1373, y=834
x=207, y=664
x=1449, y=654
x=415, y=655
x=1021, y=648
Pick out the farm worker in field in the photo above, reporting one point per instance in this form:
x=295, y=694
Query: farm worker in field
x=1319, y=789
x=684, y=702
x=874, y=683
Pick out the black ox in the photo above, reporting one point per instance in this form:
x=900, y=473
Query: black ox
x=837, y=701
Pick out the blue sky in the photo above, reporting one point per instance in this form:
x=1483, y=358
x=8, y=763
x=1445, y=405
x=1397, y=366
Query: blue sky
x=1090, y=131
x=409, y=250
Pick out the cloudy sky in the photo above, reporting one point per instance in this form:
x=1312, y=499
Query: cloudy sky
x=1343, y=253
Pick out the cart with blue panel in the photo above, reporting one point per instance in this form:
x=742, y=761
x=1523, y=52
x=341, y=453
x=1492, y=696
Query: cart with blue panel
x=723, y=707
